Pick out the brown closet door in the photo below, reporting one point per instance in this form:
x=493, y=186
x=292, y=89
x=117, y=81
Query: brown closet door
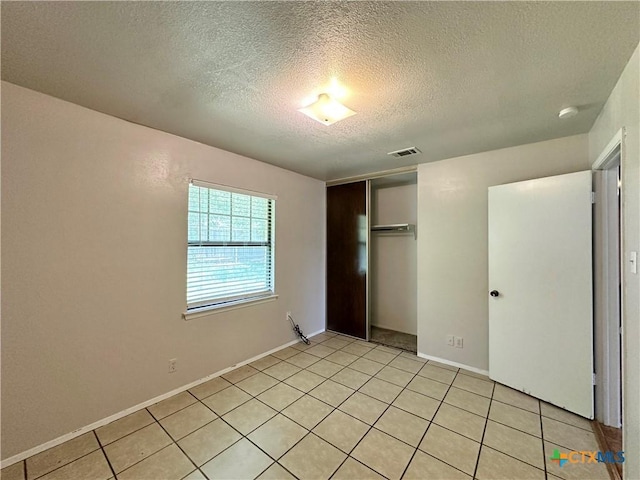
x=347, y=232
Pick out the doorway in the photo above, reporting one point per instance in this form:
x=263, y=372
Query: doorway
x=393, y=261
x=608, y=319
x=371, y=258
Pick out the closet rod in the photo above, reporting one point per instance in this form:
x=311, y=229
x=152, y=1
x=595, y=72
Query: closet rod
x=395, y=228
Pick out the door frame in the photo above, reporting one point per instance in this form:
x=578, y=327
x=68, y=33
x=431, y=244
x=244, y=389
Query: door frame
x=368, y=287
x=608, y=294
x=368, y=178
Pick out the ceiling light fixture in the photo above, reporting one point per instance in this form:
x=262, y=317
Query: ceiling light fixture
x=568, y=112
x=327, y=110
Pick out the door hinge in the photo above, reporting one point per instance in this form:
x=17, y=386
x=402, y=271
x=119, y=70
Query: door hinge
x=593, y=379
x=593, y=197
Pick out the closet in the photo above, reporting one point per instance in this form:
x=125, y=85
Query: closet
x=371, y=259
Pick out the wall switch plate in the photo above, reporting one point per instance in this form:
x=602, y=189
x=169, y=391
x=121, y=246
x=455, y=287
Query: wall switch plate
x=458, y=342
x=173, y=365
x=450, y=340
x=633, y=260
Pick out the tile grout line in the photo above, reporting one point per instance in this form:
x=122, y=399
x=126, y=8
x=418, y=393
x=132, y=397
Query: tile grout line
x=171, y=438
x=333, y=408
x=242, y=436
x=155, y=420
x=221, y=451
x=101, y=447
x=404, y=472
x=464, y=409
x=154, y=417
x=495, y=421
x=484, y=431
x=95, y=434
x=149, y=456
x=565, y=423
x=362, y=438
x=70, y=462
x=371, y=427
x=416, y=374
x=245, y=437
x=176, y=441
x=539, y=413
x=279, y=412
x=544, y=451
x=388, y=405
x=510, y=455
x=514, y=458
x=448, y=464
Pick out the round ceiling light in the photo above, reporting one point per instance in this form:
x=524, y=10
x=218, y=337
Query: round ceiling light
x=568, y=112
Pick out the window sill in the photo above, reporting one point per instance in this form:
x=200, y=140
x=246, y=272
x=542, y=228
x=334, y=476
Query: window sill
x=215, y=309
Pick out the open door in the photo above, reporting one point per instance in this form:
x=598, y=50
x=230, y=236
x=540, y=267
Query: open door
x=347, y=259
x=607, y=283
x=540, y=277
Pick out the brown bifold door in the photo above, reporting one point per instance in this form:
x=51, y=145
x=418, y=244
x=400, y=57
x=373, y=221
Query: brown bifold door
x=347, y=259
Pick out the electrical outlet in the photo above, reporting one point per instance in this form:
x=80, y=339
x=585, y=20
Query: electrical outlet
x=458, y=342
x=173, y=365
x=450, y=340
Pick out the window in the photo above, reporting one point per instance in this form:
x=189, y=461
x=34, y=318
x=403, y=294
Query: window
x=230, y=245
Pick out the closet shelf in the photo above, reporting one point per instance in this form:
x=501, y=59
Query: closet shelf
x=395, y=228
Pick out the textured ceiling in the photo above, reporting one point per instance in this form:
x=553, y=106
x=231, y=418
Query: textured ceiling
x=450, y=78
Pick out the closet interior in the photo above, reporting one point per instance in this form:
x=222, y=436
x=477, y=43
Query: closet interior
x=393, y=262
x=372, y=260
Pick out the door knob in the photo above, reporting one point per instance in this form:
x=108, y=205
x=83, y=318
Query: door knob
x=494, y=293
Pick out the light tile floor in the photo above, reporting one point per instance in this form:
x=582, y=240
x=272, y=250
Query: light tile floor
x=339, y=408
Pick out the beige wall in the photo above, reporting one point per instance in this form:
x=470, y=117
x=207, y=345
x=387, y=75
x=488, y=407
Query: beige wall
x=623, y=110
x=452, y=240
x=393, y=260
x=94, y=216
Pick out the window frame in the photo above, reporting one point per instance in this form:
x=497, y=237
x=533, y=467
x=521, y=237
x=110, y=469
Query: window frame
x=207, y=306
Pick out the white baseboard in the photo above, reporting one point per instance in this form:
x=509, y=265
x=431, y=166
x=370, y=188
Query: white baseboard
x=116, y=416
x=453, y=364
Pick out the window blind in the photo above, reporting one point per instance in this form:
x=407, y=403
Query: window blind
x=230, y=245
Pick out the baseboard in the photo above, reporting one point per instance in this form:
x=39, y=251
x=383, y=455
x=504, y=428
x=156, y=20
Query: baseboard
x=116, y=416
x=614, y=474
x=453, y=364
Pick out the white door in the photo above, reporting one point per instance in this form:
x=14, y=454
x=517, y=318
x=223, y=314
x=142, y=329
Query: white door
x=540, y=308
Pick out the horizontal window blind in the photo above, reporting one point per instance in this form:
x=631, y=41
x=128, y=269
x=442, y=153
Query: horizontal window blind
x=230, y=246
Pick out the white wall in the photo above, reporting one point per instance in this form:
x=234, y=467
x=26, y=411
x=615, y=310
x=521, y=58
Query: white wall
x=452, y=239
x=393, y=260
x=94, y=213
x=623, y=110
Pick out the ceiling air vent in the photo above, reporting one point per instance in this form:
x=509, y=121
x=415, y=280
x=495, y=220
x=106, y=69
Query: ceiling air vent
x=405, y=152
